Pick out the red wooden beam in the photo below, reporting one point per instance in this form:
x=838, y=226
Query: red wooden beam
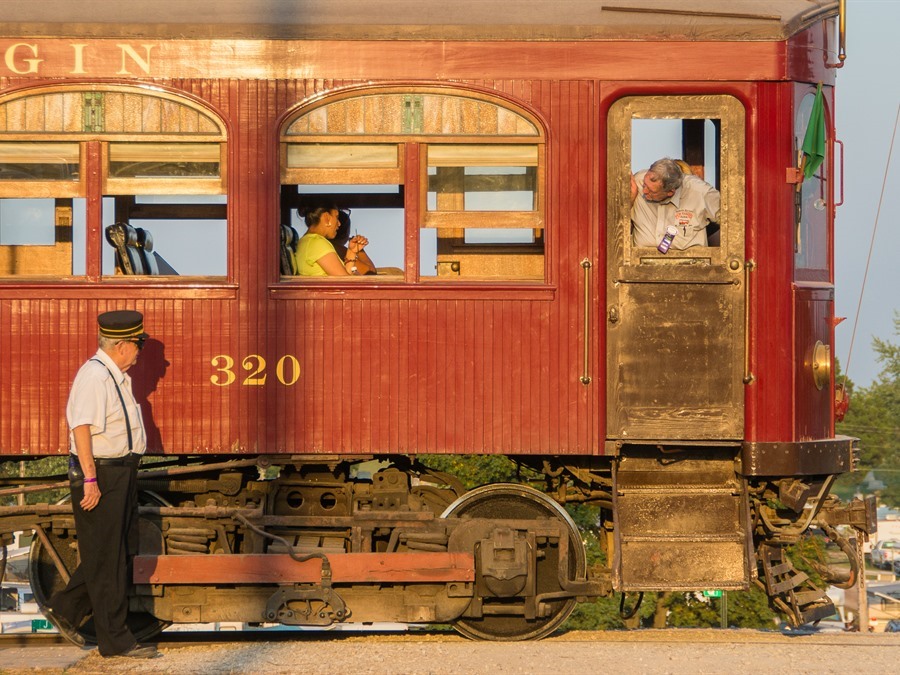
x=281, y=569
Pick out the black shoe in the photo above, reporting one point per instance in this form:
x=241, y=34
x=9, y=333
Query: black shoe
x=140, y=652
x=65, y=628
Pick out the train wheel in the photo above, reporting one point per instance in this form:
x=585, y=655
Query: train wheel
x=45, y=577
x=517, y=502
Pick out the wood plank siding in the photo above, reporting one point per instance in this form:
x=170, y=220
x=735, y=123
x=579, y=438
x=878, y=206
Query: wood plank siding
x=410, y=366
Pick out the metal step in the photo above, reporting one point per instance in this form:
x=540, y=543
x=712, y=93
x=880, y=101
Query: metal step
x=791, y=590
x=680, y=521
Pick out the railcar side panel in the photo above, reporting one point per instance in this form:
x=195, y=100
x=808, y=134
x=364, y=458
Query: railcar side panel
x=771, y=214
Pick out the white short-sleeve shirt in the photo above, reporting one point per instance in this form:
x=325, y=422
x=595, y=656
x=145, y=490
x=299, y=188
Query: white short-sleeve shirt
x=93, y=400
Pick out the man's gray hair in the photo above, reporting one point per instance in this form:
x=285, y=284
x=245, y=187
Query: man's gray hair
x=669, y=172
x=107, y=343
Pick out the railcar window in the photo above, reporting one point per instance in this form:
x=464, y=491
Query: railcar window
x=811, y=202
x=41, y=237
x=161, y=163
x=381, y=223
x=163, y=206
x=36, y=231
x=164, y=160
x=692, y=143
x=179, y=244
x=476, y=184
x=705, y=135
x=479, y=198
x=39, y=161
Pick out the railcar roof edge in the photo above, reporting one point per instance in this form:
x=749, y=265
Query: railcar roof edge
x=561, y=20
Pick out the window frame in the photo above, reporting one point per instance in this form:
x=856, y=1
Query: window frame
x=69, y=113
x=730, y=113
x=413, y=147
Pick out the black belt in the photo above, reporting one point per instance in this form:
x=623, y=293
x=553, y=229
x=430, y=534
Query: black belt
x=110, y=461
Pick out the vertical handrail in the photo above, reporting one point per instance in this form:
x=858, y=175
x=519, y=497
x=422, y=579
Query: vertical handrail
x=585, y=373
x=841, y=143
x=749, y=377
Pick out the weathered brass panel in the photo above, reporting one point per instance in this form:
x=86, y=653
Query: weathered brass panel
x=681, y=519
x=674, y=515
x=676, y=321
x=683, y=565
x=672, y=376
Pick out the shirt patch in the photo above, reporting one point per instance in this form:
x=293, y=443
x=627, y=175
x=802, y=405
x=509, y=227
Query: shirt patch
x=683, y=217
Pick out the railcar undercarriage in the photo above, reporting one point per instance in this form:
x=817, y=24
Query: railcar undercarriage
x=312, y=541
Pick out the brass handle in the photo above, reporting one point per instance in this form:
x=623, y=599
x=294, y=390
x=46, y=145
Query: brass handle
x=585, y=373
x=748, y=267
x=842, y=36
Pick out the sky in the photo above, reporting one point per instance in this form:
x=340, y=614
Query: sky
x=867, y=99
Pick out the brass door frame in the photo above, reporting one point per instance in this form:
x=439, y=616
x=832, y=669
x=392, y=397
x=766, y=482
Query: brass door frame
x=675, y=349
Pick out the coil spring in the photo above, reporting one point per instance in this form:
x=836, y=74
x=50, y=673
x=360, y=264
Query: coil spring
x=187, y=540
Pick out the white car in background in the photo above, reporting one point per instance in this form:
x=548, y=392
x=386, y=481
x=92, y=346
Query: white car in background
x=885, y=552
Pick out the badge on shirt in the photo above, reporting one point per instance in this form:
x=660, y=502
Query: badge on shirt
x=683, y=217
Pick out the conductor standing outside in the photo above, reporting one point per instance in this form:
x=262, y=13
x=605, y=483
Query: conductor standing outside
x=108, y=440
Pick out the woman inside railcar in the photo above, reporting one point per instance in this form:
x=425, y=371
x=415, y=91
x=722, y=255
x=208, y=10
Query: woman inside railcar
x=316, y=255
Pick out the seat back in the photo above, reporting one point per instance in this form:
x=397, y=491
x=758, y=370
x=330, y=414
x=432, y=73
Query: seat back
x=134, y=251
x=145, y=249
x=124, y=239
x=289, y=239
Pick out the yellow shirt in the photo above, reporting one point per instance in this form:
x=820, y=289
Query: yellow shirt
x=310, y=249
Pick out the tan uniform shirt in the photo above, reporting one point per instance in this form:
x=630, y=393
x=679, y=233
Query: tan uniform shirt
x=693, y=206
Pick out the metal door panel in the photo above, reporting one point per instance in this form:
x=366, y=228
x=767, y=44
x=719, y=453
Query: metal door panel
x=676, y=322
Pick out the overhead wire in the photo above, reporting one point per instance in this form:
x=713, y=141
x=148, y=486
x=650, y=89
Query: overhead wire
x=871, y=248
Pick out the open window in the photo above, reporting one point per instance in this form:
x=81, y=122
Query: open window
x=705, y=135
x=161, y=159
x=469, y=207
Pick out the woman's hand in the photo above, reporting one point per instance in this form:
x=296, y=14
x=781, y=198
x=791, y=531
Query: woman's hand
x=357, y=244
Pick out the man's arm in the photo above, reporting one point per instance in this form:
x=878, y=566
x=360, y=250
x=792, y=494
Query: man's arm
x=84, y=446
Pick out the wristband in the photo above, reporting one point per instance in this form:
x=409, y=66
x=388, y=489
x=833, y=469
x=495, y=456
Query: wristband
x=90, y=480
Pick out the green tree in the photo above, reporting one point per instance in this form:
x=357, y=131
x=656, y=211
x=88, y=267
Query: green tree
x=475, y=470
x=874, y=418
x=54, y=468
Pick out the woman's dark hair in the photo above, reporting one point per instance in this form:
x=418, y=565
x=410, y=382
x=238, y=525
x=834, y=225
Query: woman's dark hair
x=313, y=214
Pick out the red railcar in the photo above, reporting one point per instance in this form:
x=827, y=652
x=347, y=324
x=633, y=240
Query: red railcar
x=486, y=150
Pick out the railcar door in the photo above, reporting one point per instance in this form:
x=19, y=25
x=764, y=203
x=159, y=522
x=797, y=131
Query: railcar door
x=676, y=323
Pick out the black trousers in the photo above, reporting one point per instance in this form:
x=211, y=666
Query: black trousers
x=99, y=586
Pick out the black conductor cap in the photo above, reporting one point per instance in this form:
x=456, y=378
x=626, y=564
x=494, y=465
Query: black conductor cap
x=122, y=324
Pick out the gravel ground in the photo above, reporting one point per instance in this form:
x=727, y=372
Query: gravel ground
x=647, y=651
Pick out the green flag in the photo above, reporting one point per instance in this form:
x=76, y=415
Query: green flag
x=814, y=140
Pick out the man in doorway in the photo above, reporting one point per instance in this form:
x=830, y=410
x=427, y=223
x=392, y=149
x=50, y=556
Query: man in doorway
x=669, y=198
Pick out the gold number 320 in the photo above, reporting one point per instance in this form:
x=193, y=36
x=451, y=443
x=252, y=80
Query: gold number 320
x=287, y=370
